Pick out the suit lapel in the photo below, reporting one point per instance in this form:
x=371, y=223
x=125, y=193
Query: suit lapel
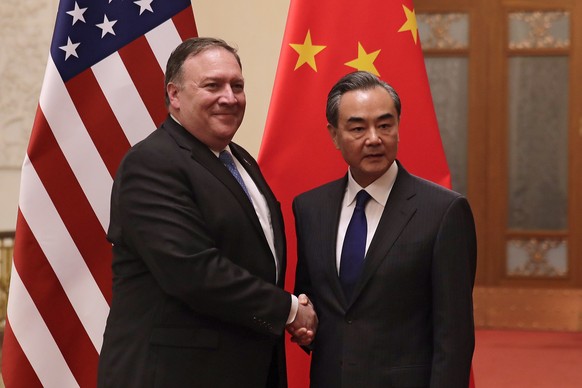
x=206, y=158
x=397, y=213
x=253, y=170
x=331, y=208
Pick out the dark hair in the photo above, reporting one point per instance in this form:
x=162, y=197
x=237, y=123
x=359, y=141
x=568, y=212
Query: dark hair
x=189, y=48
x=358, y=80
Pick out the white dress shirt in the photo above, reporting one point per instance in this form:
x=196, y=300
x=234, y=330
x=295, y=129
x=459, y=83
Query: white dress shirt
x=264, y=215
x=379, y=190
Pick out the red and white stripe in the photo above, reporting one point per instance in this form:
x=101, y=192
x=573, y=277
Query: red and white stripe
x=61, y=276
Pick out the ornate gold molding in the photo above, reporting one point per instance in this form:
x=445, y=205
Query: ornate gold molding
x=539, y=25
x=538, y=264
x=6, y=252
x=439, y=33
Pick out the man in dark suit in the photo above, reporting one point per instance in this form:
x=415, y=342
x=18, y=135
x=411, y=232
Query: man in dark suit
x=389, y=271
x=198, y=245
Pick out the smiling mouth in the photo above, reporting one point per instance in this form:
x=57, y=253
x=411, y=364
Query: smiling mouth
x=226, y=116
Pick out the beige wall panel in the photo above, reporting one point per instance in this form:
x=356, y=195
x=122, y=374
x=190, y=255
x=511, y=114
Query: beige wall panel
x=256, y=27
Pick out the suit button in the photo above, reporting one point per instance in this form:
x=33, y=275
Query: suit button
x=349, y=321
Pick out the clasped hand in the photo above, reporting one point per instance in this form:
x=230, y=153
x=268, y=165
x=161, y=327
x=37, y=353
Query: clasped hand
x=304, y=327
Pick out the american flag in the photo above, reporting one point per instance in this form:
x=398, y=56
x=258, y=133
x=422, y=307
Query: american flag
x=103, y=91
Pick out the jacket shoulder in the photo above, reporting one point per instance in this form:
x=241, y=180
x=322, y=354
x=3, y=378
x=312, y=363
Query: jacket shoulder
x=323, y=190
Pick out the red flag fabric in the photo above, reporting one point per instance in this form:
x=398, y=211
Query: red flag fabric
x=323, y=41
x=103, y=91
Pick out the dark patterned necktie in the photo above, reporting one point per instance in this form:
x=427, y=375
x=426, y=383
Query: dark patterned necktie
x=226, y=158
x=354, y=247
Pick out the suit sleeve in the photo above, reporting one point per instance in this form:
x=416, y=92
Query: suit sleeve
x=453, y=276
x=302, y=280
x=156, y=216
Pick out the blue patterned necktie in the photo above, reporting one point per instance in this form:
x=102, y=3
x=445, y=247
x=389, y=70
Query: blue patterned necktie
x=226, y=158
x=354, y=247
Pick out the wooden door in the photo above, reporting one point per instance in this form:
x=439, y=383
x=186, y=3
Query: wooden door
x=506, y=78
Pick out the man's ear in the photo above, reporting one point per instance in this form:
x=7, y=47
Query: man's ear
x=333, y=133
x=172, y=89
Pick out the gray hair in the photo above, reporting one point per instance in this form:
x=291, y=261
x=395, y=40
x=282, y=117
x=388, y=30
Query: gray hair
x=358, y=80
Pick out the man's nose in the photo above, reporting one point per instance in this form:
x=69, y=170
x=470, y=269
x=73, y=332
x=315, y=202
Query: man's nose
x=227, y=95
x=373, y=136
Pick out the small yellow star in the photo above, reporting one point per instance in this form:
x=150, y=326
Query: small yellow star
x=410, y=24
x=307, y=52
x=364, y=61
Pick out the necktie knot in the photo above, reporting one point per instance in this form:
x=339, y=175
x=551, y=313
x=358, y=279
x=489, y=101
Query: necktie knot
x=226, y=158
x=362, y=199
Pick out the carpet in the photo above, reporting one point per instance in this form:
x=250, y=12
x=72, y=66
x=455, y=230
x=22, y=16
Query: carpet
x=527, y=359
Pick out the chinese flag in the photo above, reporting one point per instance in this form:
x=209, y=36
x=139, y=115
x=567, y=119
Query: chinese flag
x=323, y=41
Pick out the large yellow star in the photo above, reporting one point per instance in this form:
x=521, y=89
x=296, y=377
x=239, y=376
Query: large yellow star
x=307, y=52
x=364, y=61
x=410, y=24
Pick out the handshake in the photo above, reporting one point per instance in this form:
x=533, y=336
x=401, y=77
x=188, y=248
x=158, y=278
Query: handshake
x=304, y=326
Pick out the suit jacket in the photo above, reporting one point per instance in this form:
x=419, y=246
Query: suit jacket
x=195, y=302
x=409, y=322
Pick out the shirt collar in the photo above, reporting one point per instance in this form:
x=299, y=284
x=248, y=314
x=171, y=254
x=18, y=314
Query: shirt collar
x=227, y=148
x=379, y=190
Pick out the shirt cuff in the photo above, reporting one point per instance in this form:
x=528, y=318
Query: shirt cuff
x=294, y=308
